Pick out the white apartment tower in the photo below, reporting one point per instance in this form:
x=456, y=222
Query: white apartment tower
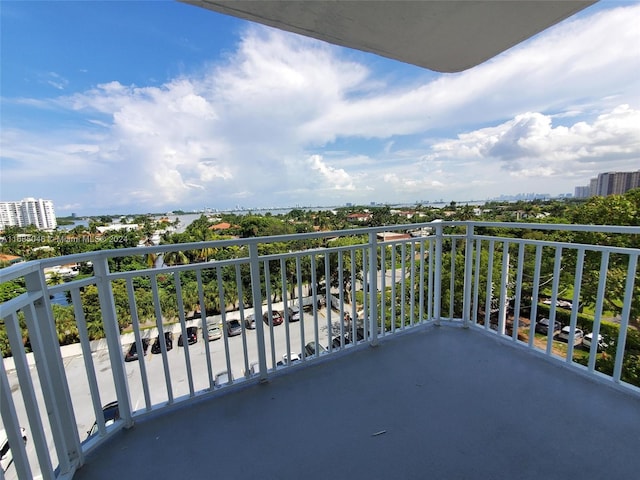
x=28, y=211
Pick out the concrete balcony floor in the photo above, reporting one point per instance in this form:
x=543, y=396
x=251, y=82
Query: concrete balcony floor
x=453, y=403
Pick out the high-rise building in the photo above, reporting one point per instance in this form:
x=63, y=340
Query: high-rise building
x=28, y=211
x=610, y=183
x=583, y=192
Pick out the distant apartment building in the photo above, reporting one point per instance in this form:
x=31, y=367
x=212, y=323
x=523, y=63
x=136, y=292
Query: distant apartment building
x=28, y=211
x=609, y=183
x=583, y=192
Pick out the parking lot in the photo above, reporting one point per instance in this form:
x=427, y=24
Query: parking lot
x=299, y=334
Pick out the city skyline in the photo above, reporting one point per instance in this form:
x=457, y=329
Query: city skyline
x=186, y=107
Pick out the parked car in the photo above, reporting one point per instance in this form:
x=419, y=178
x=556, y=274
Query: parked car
x=233, y=328
x=311, y=348
x=250, y=321
x=286, y=360
x=110, y=413
x=359, y=334
x=222, y=378
x=338, y=341
x=132, y=354
x=588, y=338
x=563, y=336
x=6, y=457
x=168, y=342
x=542, y=326
x=293, y=313
x=214, y=331
x=192, y=336
x=276, y=318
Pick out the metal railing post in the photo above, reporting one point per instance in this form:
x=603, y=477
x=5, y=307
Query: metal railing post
x=468, y=275
x=373, y=288
x=437, y=281
x=112, y=334
x=254, y=265
x=53, y=380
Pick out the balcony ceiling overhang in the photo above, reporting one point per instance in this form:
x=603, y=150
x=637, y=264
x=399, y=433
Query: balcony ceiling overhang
x=445, y=36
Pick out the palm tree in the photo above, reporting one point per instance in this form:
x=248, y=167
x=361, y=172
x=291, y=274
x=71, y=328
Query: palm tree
x=55, y=279
x=176, y=257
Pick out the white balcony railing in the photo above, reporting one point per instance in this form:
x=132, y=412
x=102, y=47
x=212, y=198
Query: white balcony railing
x=462, y=272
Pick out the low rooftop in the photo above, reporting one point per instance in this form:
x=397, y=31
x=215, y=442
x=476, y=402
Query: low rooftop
x=446, y=402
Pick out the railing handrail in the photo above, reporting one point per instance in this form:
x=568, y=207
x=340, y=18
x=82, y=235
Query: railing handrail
x=20, y=269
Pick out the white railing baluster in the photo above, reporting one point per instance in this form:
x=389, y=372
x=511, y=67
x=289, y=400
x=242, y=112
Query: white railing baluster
x=624, y=317
x=412, y=283
x=476, y=281
x=557, y=264
x=158, y=314
x=178, y=284
x=518, y=299
x=223, y=313
x=468, y=274
x=55, y=389
x=10, y=420
x=534, y=295
x=421, y=296
x=602, y=284
x=354, y=313
x=299, y=280
x=577, y=284
x=373, y=289
x=112, y=333
x=394, y=283
x=287, y=319
x=328, y=295
x=437, y=288
x=205, y=331
x=314, y=298
x=94, y=391
x=139, y=347
x=243, y=329
x=504, y=286
x=452, y=278
x=342, y=295
x=489, y=289
x=254, y=266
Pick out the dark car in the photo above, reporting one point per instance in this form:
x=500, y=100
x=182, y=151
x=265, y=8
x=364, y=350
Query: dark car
x=276, y=318
x=542, y=326
x=233, y=328
x=132, y=354
x=168, y=341
x=110, y=413
x=311, y=348
x=339, y=341
x=192, y=336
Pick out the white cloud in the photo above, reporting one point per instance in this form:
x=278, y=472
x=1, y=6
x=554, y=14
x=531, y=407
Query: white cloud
x=288, y=120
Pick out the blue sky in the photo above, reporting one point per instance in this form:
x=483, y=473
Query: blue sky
x=132, y=107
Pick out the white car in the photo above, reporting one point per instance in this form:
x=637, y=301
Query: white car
x=588, y=338
x=295, y=357
x=565, y=332
x=223, y=378
x=6, y=458
x=214, y=331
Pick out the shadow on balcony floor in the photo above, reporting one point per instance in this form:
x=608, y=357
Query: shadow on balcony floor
x=441, y=403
